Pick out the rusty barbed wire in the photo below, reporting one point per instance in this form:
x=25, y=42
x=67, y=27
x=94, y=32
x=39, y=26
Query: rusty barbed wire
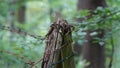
x=14, y=54
x=21, y=32
x=24, y=59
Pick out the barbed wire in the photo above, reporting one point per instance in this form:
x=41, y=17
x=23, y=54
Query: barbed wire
x=24, y=59
x=21, y=32
x=14, y=54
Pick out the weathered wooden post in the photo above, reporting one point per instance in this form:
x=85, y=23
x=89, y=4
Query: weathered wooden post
x=58, y=52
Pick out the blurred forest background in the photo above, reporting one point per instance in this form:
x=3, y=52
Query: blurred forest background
x=24, y=24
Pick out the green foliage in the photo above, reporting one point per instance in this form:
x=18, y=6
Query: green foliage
x=104, y=19
x=38, y=21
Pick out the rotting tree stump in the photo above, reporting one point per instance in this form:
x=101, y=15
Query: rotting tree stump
x=58, y=52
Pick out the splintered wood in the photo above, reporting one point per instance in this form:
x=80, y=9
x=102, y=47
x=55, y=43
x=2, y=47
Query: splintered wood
x=58, y=52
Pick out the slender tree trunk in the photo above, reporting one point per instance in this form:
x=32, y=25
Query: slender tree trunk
x=21, y=14
x=93, y=52
x=21, y=11
x=11, y=13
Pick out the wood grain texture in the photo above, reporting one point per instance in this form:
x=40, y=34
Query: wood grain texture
x=58, y=46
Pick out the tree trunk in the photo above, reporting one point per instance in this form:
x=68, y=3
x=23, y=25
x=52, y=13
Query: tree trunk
x=11, y=13
x=21, y=11
x=21, y=14
x=58, y=52
x=90, y=4
x=93, y=52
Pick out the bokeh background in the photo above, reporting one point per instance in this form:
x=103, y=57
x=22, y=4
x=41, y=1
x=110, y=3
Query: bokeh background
x=17, y=49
